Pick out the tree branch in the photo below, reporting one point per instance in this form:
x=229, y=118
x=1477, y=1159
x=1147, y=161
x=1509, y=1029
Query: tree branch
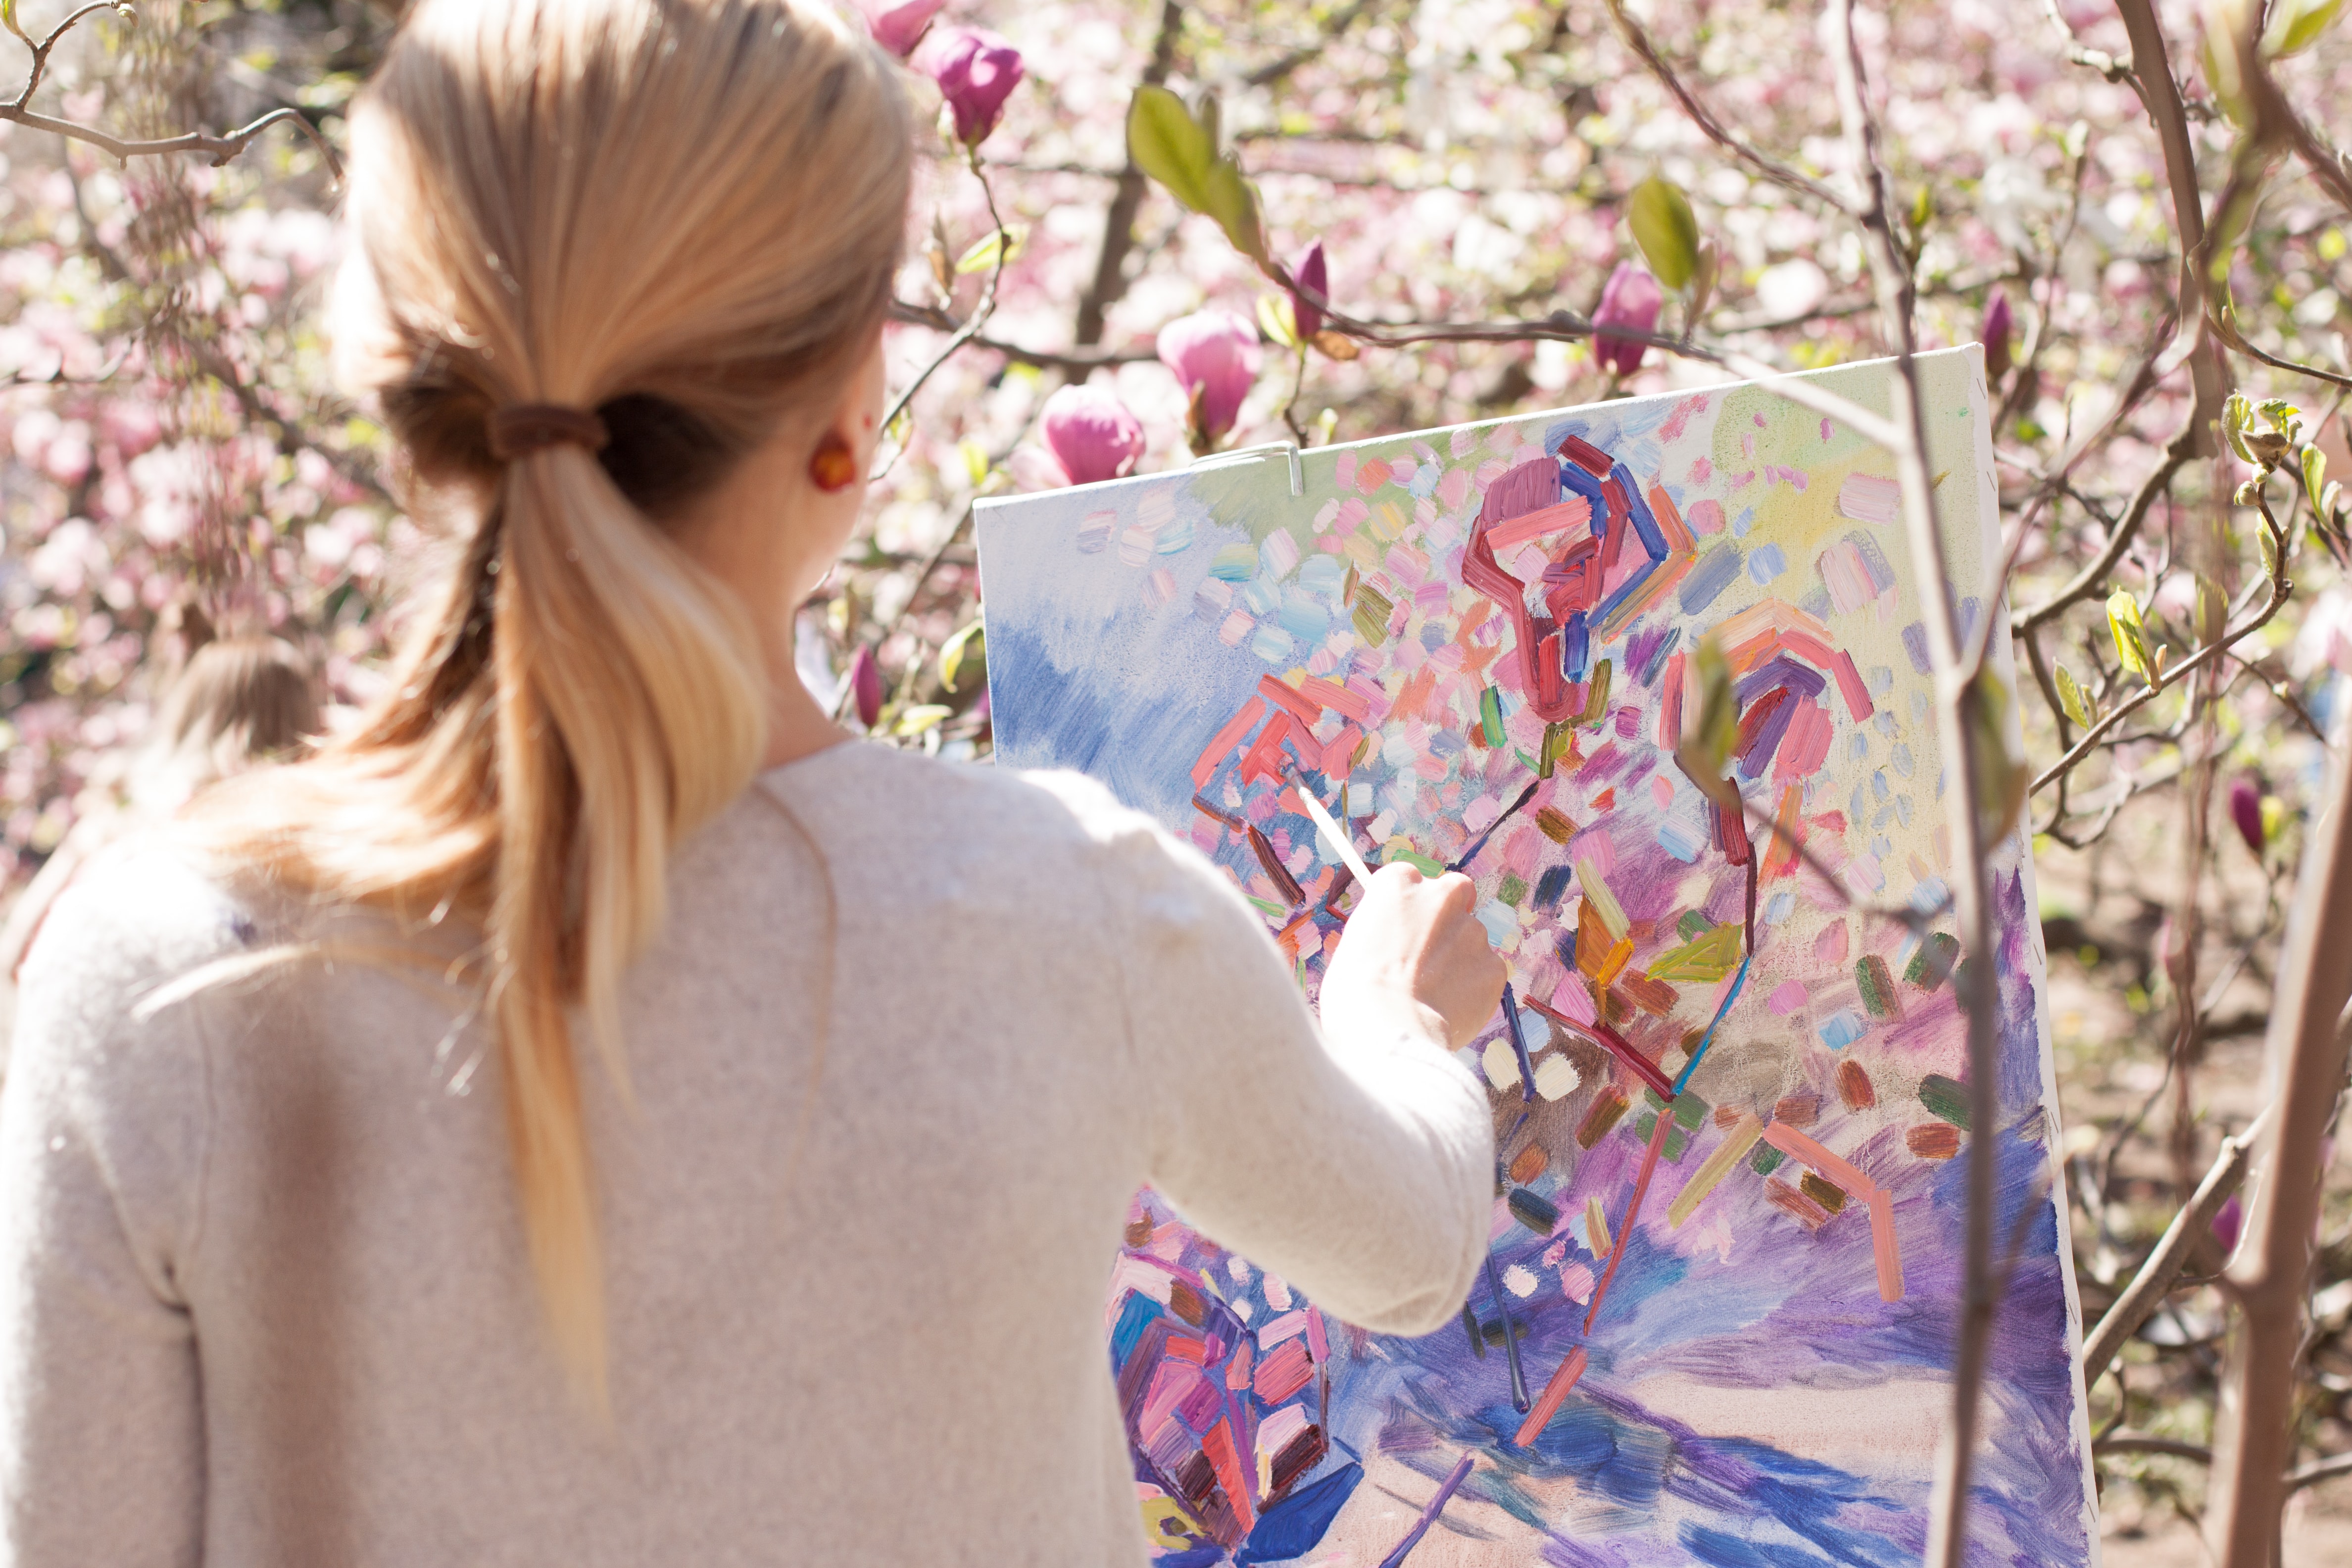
x=2149, y=1286
x=1119, y=220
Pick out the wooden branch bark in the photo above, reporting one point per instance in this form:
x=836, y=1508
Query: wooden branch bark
x=2147, y=1289
x=2305, y=1071
x=1119, y=220
x=1958, y=723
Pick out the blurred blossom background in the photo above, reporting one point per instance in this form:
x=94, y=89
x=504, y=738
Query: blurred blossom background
x=172, y=445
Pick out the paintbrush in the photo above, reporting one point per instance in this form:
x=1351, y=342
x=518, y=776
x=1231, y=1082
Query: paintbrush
x=1332, y=832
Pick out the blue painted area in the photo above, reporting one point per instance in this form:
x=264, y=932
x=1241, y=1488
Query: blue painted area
x=1720, y=1549
x=1710, y=577
x=1625, y=589
x=1737, y=981
x=1645, y=525
x=1765, y=562
x=1915, y=642
x=1842, y=1028
x=1680, y=839
x=1576, y=647
x=1295, y=1526
x=1573, y=478
x=1138, y=1314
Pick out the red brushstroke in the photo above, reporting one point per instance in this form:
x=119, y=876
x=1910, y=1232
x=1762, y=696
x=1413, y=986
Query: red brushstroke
x=1339, y=698
x=1292, y=701
x=1679, y=538
x=1226, y=818
x=1226, y=1460
x=1670, y=712
x=1554, y=1391
x=1292, y=893
x=1225, y=739
x=1625, y=1224
x=1264, y=759
x=1614, y=1043
x=1850, y=686
x=1586, y=456
x=1527, y=488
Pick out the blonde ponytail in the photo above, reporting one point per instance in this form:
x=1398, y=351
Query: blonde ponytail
x=680, y=214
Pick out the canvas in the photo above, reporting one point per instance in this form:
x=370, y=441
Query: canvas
x=1719, y=1312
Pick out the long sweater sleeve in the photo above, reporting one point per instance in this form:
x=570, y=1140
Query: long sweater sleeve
x=1355, y=1160
x=101, y=1130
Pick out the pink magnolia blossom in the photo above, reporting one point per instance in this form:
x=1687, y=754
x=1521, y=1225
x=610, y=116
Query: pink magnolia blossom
x=1092, y=434
x=1995, y=335
x=865, y=684
x=1630, y=299
x=1312, y=272
x=1214, y=355
x=899, y=28
x=2246, y=811
x=2228, y=1223
x=977, y=71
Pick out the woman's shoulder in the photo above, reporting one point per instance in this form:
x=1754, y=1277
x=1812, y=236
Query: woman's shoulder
x=105, y=1035
x=979, y=804
x=139, y=913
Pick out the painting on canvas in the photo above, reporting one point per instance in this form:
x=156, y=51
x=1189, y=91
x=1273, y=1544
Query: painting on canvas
x=1727, y=1244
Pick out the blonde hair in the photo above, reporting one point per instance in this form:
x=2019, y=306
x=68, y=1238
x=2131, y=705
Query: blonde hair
x=682, y=214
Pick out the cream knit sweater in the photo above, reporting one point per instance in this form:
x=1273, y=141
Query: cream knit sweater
x=263, y=1295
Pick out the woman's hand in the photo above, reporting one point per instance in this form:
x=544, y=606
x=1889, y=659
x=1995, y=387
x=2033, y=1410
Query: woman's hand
x=1416, y=935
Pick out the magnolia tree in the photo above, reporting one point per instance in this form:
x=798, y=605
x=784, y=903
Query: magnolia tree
x=1148, y=231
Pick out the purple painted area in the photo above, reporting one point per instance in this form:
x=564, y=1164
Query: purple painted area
x=1780, y=671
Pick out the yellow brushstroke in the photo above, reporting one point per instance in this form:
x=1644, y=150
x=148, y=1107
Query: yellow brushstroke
x=1604, y=903
x=1596, y=1229
x=1732, y=1150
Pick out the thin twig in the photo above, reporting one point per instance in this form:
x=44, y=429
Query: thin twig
x=1780, y=173
x=2313, y=1474
x=2149, y=1286
x=2135, y=1443
x=1957, y=706
x=970, y=328
x=220, y=149
x=2280, y=586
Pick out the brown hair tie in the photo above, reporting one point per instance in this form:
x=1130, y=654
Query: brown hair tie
x=522, y=428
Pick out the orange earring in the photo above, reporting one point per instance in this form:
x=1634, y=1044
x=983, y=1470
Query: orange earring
x=833, y=466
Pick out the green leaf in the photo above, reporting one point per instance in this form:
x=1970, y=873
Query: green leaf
x=2131, y=639
x=966, y=653
x=1660, y=216
x=2237, y=413
x=1232, y=201
x=917, y=720
x=2071, y=698
x=2314, y=477
x=2000, y=777
x=1710, y=724
x=1180, y=150
x=2297, y=25
x=1170, y=145
x=2281, y=415
x=981, y=258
